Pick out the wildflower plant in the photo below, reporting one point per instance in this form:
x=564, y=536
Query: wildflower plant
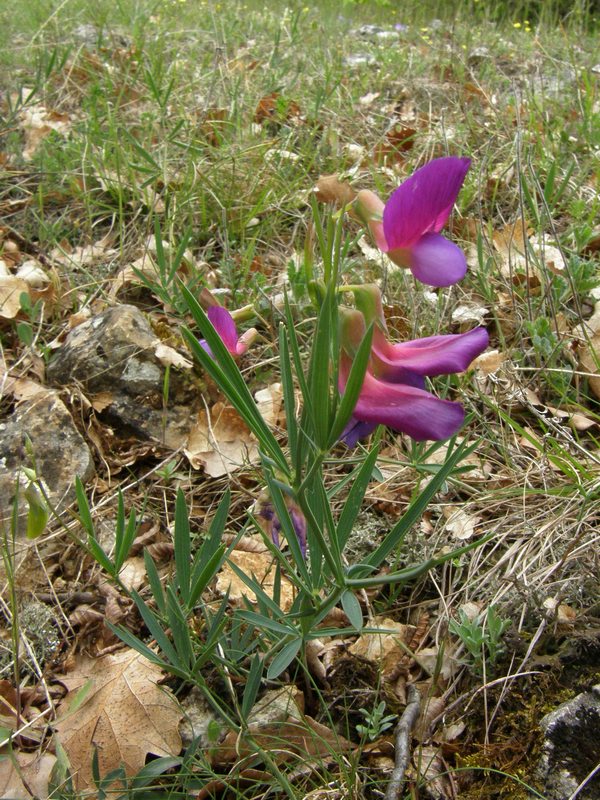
x=354, y=381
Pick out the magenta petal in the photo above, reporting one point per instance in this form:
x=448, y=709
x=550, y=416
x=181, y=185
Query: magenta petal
x=356, y=430
x=433, y=355
x=436, y=261
x=423, y=203
x=205, y=346
x=408, y=410
x=224, y=325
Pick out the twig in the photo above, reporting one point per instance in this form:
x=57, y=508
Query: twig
x=402, y=743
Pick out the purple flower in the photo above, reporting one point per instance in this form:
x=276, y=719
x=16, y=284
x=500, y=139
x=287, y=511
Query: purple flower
x=223, y=323
x=408, y=226
x=272, y=526
x=393, y=392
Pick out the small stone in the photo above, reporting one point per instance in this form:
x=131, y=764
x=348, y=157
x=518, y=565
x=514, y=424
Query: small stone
x=360, y=60
x=571, y=748
x=116, y=357
x=97, y=353
x=60, y=452
x=199, y=720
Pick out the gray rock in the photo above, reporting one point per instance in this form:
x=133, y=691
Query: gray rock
x=360, y=60
x=571, y=748
x=60, y=451
x=112, y=356
x=200, y=721
x=111, y=351
x=479, y=54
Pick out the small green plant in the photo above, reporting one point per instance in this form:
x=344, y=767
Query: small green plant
x=376, y=722
x=543, y=337
x=481, y=636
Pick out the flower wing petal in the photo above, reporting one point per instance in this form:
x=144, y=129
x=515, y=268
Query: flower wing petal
x=356, y=430
x=432, y=355
x=408, y=410
x=436, y=261
x=423, y=203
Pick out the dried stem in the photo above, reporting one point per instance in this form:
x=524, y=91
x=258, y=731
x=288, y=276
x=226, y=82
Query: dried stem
x=402, y=743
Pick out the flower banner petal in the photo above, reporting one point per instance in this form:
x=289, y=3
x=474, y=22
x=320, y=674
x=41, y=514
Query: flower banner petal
x=423, y=203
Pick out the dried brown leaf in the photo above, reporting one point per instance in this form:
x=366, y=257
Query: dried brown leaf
x=385, y=648
x=11, y=289
x=221, y=444
x=35, y=768
x=459, y=523
x=330, y=189
x=270, y=404
x=589, y=349
x=125, y=715
x=262, y=567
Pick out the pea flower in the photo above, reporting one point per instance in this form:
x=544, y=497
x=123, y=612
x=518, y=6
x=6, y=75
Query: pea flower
x=393, y=392
x=272, y=526
x=407, y=227
x=223, y=323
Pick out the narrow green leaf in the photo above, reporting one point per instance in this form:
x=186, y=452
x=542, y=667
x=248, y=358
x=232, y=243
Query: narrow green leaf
x=154, y=770
x=353, y=387
x=182, y=547
x=418, y=506
x=178, y=257
x=284, y=658
x=319, y=374
x=410, y=573
x=83, y=506
x=217, y=526
x=226, y=374
x=154, y=626
x=254, y=585
x=202, y=577
x=143, y=649
x=180, y=632
x=295, y=352
x=289, y=395
x=287, y=527
x=120, y=523
x=101, y=557
x=252, y=685
x=123, y=546
x=154, y=582
x=265, y=623
x=355, y=499
x=352, y=609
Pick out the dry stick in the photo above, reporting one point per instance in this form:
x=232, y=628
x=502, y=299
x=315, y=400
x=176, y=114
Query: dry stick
x=402, y=743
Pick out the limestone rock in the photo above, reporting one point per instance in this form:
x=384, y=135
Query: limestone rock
x=572, y=748
x=60, y=451
x=119, y=363
x=111, y=351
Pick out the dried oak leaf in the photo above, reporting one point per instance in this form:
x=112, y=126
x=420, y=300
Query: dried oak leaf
x=222, y=444
x=34, y=768
x=124, y=714
x=384, y=648
x=330, y=189
x=589, y=349
x=37, y=122
x=270, y=404
x=262, y=567
x=11, y=289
